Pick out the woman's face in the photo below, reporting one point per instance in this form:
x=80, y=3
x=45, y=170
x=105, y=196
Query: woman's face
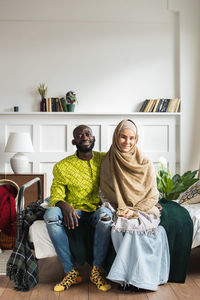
x=126, y=139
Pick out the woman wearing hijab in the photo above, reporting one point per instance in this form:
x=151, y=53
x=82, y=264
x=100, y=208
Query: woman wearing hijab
x=128, y=186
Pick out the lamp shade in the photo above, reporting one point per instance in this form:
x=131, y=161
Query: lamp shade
x=19, y=142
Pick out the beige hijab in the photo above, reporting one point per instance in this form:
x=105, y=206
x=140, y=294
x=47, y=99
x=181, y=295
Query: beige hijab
x=128, y=179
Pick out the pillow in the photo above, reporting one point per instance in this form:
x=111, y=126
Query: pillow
x=191, y=195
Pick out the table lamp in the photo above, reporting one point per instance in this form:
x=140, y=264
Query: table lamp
x=19, y=142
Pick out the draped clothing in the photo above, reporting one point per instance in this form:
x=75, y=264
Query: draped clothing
x=128, y=180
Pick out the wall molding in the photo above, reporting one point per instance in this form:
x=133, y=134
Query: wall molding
x=51, y=134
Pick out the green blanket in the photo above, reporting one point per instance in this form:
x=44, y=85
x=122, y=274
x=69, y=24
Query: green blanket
x=179, y=228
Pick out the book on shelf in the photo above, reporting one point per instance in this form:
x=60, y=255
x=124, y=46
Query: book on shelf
x=171, y=105
x=57, y=104
x=50, y=104
x=148, y=106
x=165, y=104
x=177, y=105
x=64, y=104
x=156, y=104
x=161, y=105
x=53, y=104
x=60, y=105
x=174, y=105
x=143, y=105
x=151, y=105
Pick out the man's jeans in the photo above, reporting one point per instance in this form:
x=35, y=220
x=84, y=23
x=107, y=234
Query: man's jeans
x=54, y=221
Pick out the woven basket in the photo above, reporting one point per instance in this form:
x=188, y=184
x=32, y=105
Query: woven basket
x=8, y=242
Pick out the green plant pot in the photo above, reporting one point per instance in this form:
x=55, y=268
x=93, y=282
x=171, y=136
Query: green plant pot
x=71, y=107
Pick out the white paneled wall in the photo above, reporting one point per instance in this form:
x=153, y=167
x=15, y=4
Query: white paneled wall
x=51, y=134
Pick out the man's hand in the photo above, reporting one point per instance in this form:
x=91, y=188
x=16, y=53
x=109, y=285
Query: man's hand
x=70, y=216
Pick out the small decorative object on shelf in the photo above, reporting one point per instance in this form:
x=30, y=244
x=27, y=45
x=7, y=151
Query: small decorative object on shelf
x=42, y=89
x=16, y=108
x=161, y=105
x=71, y=100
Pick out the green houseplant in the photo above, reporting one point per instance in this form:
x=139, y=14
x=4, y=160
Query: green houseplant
x=71, y=100
x=171, y=187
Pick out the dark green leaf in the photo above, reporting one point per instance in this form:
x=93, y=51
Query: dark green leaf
x=176, y=178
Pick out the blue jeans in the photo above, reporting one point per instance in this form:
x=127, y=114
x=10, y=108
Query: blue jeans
x=54, y=221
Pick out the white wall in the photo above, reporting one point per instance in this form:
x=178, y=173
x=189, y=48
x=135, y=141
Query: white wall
x=113, y=53
x=189, y=12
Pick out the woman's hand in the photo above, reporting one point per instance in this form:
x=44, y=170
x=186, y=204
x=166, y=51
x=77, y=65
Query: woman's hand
x=128, y=213
x=159, y=206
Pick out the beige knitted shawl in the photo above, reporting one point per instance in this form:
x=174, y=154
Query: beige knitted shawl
x=128, y=180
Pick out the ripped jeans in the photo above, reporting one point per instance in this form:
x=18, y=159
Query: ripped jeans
x=54, y=221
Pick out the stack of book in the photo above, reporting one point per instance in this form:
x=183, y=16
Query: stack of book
x=161, y=105
x=54, y=104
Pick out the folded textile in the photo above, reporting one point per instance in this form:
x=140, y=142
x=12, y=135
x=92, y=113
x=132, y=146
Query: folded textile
x=179, y=228
x=22, y=267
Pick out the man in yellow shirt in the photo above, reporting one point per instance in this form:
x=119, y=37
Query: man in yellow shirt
x=74, y=199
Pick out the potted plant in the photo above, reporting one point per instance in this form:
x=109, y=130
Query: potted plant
x=171, y=187
x=71, y=100
x=42, y=89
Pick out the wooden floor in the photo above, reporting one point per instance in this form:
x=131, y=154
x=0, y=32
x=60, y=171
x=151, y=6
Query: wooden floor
x=87, y=291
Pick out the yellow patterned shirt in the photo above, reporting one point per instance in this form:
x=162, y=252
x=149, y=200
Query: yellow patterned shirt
x=76, y=181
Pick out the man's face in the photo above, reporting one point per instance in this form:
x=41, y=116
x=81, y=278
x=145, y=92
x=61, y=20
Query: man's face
x=83, y=139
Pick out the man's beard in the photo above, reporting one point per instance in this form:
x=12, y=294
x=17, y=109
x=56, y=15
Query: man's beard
x=85, y=149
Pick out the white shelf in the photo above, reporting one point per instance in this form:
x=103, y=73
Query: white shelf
x=94, y=113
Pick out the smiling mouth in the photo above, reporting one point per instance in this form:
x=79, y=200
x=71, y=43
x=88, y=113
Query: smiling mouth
x=87, y=143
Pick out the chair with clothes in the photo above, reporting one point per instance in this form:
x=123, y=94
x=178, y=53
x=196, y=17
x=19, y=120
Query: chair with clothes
x=22, y=266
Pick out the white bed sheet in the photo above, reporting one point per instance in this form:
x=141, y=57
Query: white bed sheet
x=39, y=236
x=194, y=211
